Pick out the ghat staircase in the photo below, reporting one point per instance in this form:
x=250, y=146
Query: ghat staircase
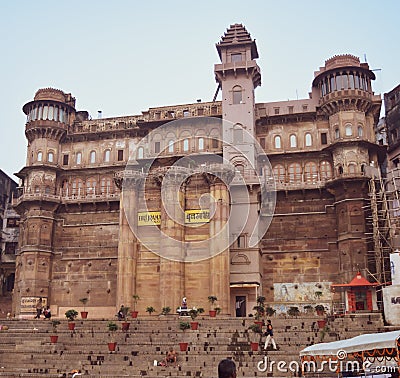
x=26, y=350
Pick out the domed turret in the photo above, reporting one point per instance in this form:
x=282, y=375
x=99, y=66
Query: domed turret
x=49, y=114
x=344, y=84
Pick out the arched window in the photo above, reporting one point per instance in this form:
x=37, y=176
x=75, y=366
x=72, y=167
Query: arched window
x=51, y=113
x=65, y=188
x=295, y=172
x=107, y=154
x=140, y=152
x=325, y=170
x=45, y=112
x=337, y=133
x=310, y=172
x=106, y=185
x=92, y=157
x=79, y=158
x=77, y=187
x=348, y=130
x=171, y=146
x=50, y=157
x=240, y=168
x=277, y=141
x=40, y=156
x=237, y=94
x=340, y=170
x=91, y=185
x=279, y=173
x=237, y=134
x=201, y=144
x=186, y=145
x=352, y=168
x=293, y=141
x=308, y=138
x=360, y=131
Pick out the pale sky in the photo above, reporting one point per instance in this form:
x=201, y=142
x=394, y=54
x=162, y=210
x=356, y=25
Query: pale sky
x=123, y=56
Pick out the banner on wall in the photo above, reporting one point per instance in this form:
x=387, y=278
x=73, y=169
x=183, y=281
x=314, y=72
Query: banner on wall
x=153, y=218
x=28, y=304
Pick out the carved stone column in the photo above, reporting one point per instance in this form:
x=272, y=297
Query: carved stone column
x=127, y=243
x=172, y=266
x=219, y=236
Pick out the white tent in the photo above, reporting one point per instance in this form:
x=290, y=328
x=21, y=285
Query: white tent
x=355, y=344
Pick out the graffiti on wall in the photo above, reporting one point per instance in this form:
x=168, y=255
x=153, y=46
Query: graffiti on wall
x=302, y=292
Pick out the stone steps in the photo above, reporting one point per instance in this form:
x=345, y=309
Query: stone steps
x=25, y=348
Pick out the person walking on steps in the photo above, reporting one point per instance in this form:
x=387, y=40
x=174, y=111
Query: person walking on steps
x=270, y=336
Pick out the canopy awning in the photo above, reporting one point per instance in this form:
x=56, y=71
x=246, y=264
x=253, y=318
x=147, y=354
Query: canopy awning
x=355, y=344
x=357, y=281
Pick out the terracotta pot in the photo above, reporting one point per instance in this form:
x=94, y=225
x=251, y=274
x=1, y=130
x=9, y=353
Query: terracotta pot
x=254, y=346
x=321, y=323
x=71, y=326
x=212, y=313
x=84, y=314
x=112, y=346
x=134, y=314
x=194, y=325
x=183, y=347
x=125, y=326
x=53, y=338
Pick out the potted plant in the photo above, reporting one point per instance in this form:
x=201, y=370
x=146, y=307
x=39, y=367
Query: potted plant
x=55, y=324
x=212, y=299
x=320, y=309
x=308, y=309
x=269, y=311
x=71, y=316
x=84, y=313
x=150, y=310
x=183, y=326
x=134, y=313
x=259, y=310
x=323, y=332
x=194, y=313
x=112, y=327
x=165, y=310
x=293, y=311
x=255, y=339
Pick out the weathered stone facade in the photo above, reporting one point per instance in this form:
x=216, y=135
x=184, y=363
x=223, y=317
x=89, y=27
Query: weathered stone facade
x=79, y=238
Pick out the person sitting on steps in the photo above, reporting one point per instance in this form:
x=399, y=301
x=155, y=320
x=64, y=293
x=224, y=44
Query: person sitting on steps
x=171, y=357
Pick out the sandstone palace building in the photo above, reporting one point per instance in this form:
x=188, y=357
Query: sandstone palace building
x=232, y=198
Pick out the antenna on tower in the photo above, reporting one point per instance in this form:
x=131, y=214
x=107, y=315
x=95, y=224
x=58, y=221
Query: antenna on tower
x=365, y=58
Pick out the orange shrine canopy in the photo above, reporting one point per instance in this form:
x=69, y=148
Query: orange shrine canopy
x=357, y=281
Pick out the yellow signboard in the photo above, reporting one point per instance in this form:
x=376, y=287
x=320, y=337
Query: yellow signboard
x=28, y=304
x=153, y=218
x=149, y=218
x=197, y=216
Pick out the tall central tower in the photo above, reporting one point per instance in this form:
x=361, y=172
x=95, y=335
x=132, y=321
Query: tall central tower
x=238, y=75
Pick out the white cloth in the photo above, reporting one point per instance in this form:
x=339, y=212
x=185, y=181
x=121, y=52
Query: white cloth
x=267, y=340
